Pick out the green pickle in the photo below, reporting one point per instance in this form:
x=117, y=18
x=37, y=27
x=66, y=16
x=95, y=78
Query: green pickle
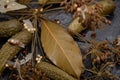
x=53, y=72
x=108, y=7
x=9, y=28
x=8, y=51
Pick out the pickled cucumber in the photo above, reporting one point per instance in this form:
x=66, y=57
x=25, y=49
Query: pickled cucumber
x=108, y=7
x=8, y=51
x=53, y=72
x=9, y=28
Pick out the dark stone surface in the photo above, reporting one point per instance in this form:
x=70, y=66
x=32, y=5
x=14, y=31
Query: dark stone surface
x=113, y=30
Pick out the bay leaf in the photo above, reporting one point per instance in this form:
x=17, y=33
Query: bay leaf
x=60, y=48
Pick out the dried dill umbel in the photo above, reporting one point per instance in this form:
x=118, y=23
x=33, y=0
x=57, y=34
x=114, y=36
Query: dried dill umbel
x=95, y=21
x=101, y=72
x=28, y=72
x=116, y=49
x=89, y=12
x=99, y=51
x=77, y=7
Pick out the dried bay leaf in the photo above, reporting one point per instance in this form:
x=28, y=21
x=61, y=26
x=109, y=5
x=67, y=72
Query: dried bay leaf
x=60, y=48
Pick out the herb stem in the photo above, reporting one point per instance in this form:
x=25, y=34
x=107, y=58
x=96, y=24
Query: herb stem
x=53, y=9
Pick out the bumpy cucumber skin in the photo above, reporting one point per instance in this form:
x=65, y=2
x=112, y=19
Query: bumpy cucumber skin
x=9, y=28
x=108, y=7
x=53, y=72
x=8, y=51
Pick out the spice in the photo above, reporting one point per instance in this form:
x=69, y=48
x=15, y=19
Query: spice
x=9, y=28
x=53, y=72
x=8, y=51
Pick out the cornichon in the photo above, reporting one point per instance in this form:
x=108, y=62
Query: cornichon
x=53, y=72
x=9, y=28
x=108, y=7
x=8, y=51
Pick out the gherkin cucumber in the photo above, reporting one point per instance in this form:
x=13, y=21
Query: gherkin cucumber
x=9, y=28
x=8, y=51
x=53, y=72
x=108, y=7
